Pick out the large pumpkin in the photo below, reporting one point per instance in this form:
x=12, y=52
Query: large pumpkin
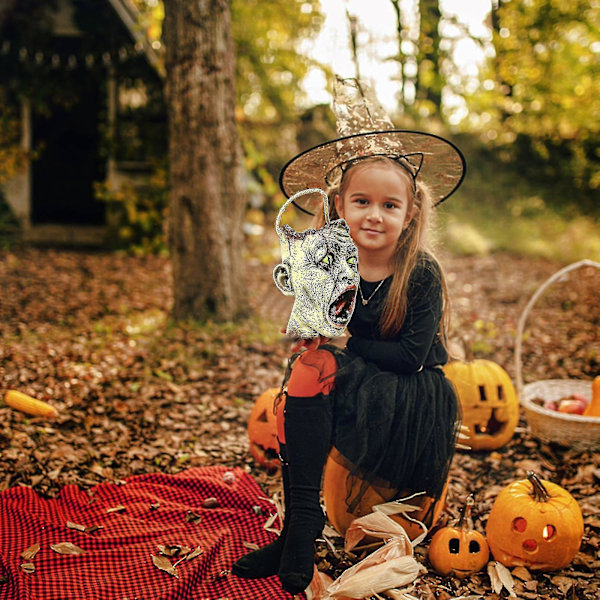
x=262, y=431
x=535, y=524
x=457, y=549
x=341, y=490
x=489, y=403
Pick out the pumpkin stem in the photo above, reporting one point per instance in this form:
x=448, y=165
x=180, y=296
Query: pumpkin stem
x=538, y=491
x=465, y=513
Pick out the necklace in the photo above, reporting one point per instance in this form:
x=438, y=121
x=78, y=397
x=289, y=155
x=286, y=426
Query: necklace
x=365, y=302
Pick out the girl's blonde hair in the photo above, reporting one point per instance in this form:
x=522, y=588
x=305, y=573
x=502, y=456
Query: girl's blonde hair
x=412, y=244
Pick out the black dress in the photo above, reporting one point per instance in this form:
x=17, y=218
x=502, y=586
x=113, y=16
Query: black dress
x=396, y=415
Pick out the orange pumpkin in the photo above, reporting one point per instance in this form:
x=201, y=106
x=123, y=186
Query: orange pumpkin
x=262, y=431
x=458, y=549
x=343, y=503
x=489, y=403
x=535, y=524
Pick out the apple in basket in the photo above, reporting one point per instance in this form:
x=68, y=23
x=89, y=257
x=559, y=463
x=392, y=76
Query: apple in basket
x=575, y=404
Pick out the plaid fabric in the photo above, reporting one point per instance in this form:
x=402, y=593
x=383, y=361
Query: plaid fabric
x=117, y=563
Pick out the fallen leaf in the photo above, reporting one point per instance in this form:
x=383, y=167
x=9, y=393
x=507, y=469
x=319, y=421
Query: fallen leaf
x=164, y=564
x=67, y=548
x=250, y=546
x=118, y=508
x=72, y=525
x=197, y=552
x=192, y=517
x=28, y=567
x=564, y=584
x=210, y=503
x=93, y=528
x=500, y=577
x=521, y=573
x=173, y=550
x=30, y=553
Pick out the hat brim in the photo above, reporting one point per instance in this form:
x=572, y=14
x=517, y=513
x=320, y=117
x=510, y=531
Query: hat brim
x=442, y=170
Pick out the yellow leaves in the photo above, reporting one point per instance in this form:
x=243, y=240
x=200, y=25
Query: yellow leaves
x=30, y=553
x=164, y=564
x=67, y=548
x=28, y=567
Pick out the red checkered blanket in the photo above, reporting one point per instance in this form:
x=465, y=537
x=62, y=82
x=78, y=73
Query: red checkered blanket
x=193, y=525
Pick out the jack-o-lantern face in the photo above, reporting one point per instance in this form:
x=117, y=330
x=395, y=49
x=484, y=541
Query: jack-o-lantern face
x=535, y=524
x=489, y=403
x=458, y=550
x=262, y=431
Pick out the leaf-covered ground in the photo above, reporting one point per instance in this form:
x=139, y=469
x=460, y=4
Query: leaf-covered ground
x=90, y=333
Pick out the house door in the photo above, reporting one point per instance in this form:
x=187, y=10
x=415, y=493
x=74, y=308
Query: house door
x=68, y=162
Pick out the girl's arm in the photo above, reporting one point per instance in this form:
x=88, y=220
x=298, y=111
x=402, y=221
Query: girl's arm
x=409, y=350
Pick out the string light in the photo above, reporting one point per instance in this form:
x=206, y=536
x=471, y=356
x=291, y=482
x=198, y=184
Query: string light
x=71, y=61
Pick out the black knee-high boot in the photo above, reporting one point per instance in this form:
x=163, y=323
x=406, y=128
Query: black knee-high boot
x=308, y=428
x=264, y=562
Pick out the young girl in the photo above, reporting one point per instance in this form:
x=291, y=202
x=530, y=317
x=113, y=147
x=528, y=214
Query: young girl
x=383, y=401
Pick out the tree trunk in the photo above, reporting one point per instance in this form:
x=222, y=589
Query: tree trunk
x=429, y=77
x=401, y=58
x=207, y=196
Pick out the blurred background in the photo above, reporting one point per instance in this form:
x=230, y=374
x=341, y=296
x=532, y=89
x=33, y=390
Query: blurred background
x=83, y=115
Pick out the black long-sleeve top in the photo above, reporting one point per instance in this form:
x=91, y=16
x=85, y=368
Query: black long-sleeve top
x=418, y=343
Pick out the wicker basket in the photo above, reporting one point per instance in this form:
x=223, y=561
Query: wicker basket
x=582, y=433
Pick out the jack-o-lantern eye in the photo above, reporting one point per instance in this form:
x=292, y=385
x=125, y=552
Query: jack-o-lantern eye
x=474, y=547
x=454, y=546
x=519, y=524
x=548, y=532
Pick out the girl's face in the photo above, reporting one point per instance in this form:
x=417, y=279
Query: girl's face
x=377, y=205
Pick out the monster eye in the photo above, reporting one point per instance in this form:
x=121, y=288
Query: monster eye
x=353, y=260
x=326, y=261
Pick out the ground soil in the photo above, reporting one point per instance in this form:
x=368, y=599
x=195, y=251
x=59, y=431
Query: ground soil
x=90, y=333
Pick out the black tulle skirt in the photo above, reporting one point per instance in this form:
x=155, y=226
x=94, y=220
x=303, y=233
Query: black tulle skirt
x=392, y=429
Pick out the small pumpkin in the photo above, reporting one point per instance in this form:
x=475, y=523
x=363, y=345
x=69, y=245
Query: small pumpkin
x=489, y=402
x=348, y=497
x=457, y=549
x=262, y=430
x=535, y=524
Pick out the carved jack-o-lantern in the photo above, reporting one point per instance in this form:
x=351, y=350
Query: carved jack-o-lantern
x=535, y=524
x=347, y=498
x=489, y=403
x=458, y=549
x=262, y=431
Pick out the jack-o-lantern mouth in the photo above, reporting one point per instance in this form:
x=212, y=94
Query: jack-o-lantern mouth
x=270, y=455
x=492, y=427
x=340, y=310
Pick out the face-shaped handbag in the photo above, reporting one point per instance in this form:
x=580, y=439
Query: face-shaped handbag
x=320, y=268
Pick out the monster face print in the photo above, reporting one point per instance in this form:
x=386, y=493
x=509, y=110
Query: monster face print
x=320, y=268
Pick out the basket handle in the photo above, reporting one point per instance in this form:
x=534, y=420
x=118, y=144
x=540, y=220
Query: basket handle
x=520, y=327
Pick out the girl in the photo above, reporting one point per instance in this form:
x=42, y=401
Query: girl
x=383, y=401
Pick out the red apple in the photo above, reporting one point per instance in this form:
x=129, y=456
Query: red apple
x=581, y=398
x=571, y=406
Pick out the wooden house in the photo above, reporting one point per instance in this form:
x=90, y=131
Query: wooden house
x=86, y=85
